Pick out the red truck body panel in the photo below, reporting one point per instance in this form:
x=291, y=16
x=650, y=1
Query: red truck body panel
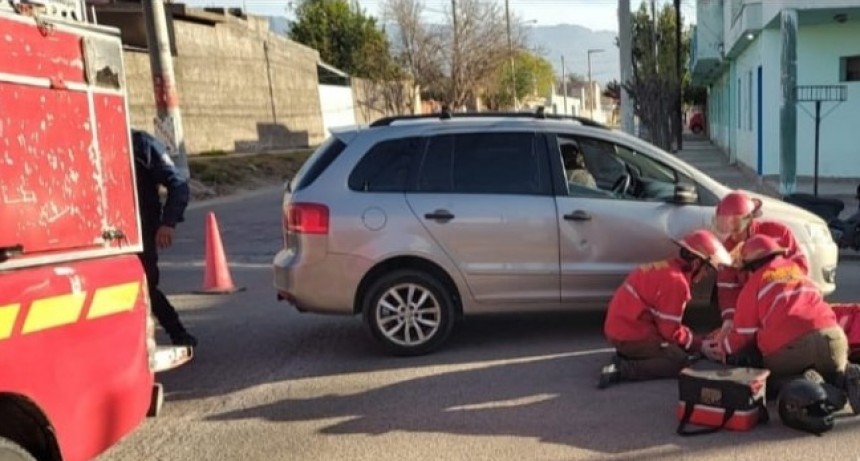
x=73, y=304
x=27, y=50
x=71, y=341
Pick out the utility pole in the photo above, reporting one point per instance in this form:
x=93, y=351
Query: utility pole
x=679, y=122
x=168, y=123
x=564, y=84
x=625, y=39
x=654, y=35
x=590, y=93
x=454, y=55
x=511, y=53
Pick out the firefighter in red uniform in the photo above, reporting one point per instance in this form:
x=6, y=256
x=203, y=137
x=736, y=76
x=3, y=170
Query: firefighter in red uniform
x=734, y=223
x=781, y=312
x=644, y=317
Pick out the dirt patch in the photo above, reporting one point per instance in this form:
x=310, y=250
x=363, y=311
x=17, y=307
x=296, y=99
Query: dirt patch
x=219, y=175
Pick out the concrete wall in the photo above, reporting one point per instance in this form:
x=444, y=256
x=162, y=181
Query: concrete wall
x=375, y=100
x=819, y=49
x=240, y=87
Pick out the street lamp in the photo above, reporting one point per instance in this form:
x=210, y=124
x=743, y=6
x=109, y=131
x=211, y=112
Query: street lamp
x=590, y=84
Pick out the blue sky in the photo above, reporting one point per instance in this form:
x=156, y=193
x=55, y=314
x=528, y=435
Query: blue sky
x=594, y=14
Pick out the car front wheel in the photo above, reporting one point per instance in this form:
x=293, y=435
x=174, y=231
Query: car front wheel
x=409, y=312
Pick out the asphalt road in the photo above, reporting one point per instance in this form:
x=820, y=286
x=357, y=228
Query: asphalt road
x=270, y=383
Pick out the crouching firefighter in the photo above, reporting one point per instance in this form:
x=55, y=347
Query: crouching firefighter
x=736, y=220
x=644, y=320
x=781, y=315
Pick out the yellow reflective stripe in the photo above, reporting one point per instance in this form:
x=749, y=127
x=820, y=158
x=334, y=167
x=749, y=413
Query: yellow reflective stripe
x=54, y=311
x=114, y=299
x=8, y=314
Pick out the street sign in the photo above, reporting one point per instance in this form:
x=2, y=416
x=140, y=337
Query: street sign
x=819, y=94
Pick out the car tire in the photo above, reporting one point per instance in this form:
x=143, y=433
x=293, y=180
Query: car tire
x=697, y=129
x=409, y=312
x=11, y=451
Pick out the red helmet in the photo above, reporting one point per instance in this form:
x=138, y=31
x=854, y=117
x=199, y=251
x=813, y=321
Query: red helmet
x=759, y=247
x=735, y=212
x=703, y=244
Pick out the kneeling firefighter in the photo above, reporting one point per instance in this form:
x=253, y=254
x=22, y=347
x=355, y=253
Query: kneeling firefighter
x=644, y=320
x=781, y=313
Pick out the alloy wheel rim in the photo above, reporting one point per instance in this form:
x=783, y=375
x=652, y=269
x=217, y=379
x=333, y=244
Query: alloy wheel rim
x=408, y=314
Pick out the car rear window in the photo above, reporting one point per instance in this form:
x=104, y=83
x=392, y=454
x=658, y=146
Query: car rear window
x=318, y=162
x=387, y=166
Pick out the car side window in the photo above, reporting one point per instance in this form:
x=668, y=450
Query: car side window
x=485, y=163
x=624, y=173
x=386, y=167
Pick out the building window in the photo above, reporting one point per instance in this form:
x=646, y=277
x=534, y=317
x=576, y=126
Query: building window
x=849, y=69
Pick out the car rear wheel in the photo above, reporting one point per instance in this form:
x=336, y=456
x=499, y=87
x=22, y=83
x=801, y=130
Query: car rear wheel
x=697, y=129
x=409, y=312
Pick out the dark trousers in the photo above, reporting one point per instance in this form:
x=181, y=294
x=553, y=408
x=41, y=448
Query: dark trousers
x=161, y=307
x=650, y=359
x=825, y=351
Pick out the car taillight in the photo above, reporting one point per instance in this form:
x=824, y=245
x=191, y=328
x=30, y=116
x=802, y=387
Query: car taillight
x=307, y=218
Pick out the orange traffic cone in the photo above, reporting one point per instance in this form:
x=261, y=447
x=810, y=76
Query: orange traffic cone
x=216, y=278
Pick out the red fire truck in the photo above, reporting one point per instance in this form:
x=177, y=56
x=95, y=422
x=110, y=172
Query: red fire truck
x=77, y=348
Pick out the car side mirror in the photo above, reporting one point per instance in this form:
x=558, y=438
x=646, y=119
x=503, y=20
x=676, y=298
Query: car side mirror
x=685, y=194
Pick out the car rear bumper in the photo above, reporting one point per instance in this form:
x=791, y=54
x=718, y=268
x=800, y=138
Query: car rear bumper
x=325, y=286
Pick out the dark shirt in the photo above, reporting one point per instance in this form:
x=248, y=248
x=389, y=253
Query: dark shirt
x=153, y=167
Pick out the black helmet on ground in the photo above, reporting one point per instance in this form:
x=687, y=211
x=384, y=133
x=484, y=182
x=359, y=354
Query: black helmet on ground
x=803, y=406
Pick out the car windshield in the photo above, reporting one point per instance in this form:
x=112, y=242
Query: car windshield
x=646, y=167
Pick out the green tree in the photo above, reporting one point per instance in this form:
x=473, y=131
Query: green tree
x=533, y=75
x=346, y=38
x=655, y=83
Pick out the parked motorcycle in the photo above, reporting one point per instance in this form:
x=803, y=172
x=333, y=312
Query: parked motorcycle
x=846, y=232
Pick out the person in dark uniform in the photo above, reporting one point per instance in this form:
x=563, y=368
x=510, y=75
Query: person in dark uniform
x=154, y=168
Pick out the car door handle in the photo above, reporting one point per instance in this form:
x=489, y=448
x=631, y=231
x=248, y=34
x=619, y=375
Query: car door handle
x=578, y=215
x=439, y=215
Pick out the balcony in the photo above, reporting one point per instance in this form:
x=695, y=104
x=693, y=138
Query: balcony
x=746, y=23
x=706, y=56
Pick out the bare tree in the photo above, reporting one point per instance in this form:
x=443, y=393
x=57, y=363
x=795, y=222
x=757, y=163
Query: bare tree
x=478, y=46
x=456, y=60
x=418, y=45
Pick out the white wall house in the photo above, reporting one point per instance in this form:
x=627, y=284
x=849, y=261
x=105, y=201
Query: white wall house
x=737, y=53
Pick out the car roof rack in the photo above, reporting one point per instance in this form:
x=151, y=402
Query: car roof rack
x=445, y=115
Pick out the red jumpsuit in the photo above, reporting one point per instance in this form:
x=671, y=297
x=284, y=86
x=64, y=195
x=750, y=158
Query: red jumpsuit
x=729, y=279
x=650, y=305
x=779, y=307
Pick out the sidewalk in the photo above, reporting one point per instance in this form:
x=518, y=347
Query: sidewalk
x=702, y=154
x=699, y=152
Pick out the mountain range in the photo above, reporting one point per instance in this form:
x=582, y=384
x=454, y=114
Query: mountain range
x=573, y=42
x=552, y=42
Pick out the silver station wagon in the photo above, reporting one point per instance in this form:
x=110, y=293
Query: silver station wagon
x=415, y=221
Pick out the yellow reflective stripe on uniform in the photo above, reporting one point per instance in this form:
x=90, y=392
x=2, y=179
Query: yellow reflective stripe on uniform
x=8, y=314
x=53, y=312
x=114, y=299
